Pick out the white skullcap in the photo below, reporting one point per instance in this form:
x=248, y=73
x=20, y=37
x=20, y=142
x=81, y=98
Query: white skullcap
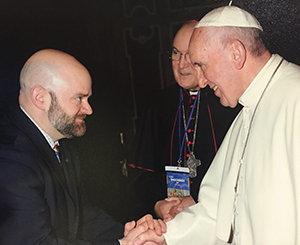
x=229, y=16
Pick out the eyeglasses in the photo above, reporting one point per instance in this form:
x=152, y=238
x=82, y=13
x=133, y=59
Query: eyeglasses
x=175, y=55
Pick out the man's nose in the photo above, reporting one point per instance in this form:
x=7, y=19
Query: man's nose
x=202, y=82
x=87, y=109
x=183, y=62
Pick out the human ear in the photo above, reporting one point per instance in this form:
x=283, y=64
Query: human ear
x=39, y=97
x=238, y=54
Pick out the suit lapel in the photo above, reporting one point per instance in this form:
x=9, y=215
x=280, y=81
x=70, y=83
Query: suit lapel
x=40, y=149
x=39, y=143
x=69, y=171
x=69, y=166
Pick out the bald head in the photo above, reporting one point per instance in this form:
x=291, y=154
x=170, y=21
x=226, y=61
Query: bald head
x=44, y=67
x=184, y=33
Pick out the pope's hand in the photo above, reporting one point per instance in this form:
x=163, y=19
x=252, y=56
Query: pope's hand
x=168, y=208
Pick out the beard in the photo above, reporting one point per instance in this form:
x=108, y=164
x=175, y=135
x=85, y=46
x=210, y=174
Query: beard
x=62, y=122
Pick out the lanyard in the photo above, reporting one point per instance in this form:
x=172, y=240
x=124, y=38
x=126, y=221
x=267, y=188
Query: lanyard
x=187, y=126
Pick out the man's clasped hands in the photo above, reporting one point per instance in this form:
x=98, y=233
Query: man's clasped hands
x=150, y=231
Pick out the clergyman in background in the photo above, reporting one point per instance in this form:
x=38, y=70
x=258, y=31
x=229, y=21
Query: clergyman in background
x=180, y=123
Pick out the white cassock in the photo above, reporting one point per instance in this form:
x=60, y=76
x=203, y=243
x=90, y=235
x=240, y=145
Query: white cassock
x=252, y=199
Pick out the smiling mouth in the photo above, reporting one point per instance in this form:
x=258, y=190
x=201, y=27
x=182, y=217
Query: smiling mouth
x=184, y=74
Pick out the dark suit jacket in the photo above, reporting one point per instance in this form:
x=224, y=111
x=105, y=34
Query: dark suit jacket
x=41, y=200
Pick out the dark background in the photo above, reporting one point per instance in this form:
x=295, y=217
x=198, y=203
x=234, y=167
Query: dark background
x=124, y=45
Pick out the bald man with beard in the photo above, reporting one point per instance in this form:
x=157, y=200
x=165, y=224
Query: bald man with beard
x=41, y=196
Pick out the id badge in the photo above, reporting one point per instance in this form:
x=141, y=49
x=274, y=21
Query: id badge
x=178, y=182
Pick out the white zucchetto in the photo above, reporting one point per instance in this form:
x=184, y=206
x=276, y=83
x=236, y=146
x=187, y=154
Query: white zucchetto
x=229, y=16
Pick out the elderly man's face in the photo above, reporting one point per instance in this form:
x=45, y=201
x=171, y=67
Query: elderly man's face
x=215, y=66
x=185, y=74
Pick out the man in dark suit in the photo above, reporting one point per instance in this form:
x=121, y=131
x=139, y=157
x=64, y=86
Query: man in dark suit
x=41, y=197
